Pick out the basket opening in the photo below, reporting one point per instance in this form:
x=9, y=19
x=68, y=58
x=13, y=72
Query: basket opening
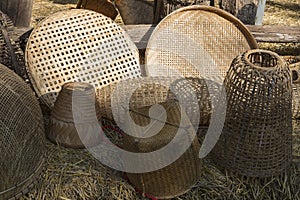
x=262, y=59
x=295, y=75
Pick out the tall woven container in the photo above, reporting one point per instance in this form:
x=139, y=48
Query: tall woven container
x=22, y=138
x=176, y=178
x=62, y=128
x=257, y=136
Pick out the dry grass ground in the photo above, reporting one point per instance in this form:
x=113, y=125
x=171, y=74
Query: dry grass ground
x=75, y=174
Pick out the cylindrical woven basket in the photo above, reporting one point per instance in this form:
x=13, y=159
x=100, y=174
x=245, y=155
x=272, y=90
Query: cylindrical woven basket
x=176, y=178
x=295, y=70
x=22, y=136
x=257, y=135
x=64, y=127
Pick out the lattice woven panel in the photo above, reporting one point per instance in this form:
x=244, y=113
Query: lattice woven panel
x=196, y=41
x=82, y=46
x=22, y=138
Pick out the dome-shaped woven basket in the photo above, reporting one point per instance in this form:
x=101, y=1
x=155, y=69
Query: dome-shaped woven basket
x=257, y=135
x=78, y=46
x=22, y=137
x=176, y=178
x=75, y=104
x=196, y=41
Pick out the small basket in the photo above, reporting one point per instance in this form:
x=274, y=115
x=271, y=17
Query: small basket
x=22, y=136
x=75, y=99
x=257, y=135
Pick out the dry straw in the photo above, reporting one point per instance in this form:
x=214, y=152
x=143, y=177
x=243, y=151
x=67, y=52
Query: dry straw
x=22, y=138
x=257, y=136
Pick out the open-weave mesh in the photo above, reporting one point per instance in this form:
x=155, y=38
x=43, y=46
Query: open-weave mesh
x=257, y=135
x=80, y=46
x=22, y=138
x=196, y=41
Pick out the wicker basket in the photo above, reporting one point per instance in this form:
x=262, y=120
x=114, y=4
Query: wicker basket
x=80, y=98
x=22, y=138
x=176, y=178
x=196, y=41
x=295, y=69
x=78, y=46
x=257, y=136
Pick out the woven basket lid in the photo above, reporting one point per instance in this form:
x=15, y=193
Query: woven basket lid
x=22, y=138
x=78, y=46
x=196, y=41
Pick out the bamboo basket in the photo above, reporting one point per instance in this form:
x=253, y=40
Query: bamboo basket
x=22, y=137
x=176, y=178
x=295, y=69
x=80, y=98
x=196, y=41
x=78, y=46
x=257, y=135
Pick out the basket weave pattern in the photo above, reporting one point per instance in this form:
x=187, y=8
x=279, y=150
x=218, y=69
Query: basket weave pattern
x=257, y=136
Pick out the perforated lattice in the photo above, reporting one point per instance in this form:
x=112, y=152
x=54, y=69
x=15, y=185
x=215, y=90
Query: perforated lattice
x=196, y=40
x=81, y=46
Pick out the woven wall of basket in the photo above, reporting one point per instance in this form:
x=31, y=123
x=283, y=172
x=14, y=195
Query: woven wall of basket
x=196, y=41
x=295, y=69
x=176, y=178
x=257, y=136
x=22, y=138
x=74, y=120
x=78, y=46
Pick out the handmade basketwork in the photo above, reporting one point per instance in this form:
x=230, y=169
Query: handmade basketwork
x=78, y=46
x=257, y=135
x=75, y=98
x=22, y=137
x=176, y=178
x=196, y=41
x=295, y=69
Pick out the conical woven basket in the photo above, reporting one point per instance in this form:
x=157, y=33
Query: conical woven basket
x=257, y=136
x=22, y=137
x=176, y=178
x=75, y=112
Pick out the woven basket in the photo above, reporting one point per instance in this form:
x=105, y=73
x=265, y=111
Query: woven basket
x=22, y=138
x=257, y=136
x=80, y=98
x=78, y=46
x=176, y=178
x=295, y=69
x=196, y=41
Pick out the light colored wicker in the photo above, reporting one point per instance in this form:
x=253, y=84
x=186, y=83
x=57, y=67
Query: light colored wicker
x=196, y=41
x=78, y=45
x=257, y=136
x=176, y=178
x=22, y=137
x=295, y=69
x=75, y=97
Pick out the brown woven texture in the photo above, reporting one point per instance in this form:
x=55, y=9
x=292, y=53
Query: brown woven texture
x=78, y=45
x=75, y=97
x=22, y=137
x=176, y=178
x=196, y=41
x=295, y=69
x=257, y=135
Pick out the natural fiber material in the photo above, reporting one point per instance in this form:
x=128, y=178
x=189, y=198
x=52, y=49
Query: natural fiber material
x=176, y=178
x=81, y=46
x=196, y=41
x=257, y=136
x=295, y=69
x=75, y=99
x=22, y=138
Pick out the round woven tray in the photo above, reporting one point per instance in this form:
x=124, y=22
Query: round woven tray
x=22, y=138
x=78, y=46
x=257, y=135
x=196, y=41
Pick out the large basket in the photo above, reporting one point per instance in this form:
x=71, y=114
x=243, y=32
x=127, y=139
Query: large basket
x=75, y=111
x=176, y=178
x=22, y=138
x=257, y=136
x=78, y=46
x=196, y=41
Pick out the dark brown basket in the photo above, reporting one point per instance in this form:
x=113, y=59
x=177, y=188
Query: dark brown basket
x=62, y=128
x=257, y=135
x=22, y=137
x=176, y=178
